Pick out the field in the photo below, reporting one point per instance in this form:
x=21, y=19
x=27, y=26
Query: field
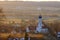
x=15, y=17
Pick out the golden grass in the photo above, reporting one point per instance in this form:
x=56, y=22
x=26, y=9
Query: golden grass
x=19, y=35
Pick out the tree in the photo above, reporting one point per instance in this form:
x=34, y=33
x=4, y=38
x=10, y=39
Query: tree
x=2, y=16
x=1, y=10
x=26, y=36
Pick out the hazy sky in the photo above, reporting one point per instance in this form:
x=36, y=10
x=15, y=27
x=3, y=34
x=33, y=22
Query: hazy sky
x=31, y=0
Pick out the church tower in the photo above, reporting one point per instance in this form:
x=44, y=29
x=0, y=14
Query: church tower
x=39, y=27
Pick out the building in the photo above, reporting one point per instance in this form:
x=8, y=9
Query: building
x=41, y=28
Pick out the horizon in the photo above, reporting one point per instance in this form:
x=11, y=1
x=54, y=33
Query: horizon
x=31, y=0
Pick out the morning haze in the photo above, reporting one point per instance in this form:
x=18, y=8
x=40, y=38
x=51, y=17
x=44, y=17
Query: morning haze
x=22, y=8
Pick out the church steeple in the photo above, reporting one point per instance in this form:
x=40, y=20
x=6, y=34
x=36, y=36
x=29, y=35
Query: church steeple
x=40, y=16
x=39, y=27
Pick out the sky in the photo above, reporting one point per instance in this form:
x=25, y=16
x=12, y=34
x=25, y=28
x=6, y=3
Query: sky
x=31, y=0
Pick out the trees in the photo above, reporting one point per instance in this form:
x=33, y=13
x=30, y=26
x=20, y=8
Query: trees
x=2, y=16
x=1, y=10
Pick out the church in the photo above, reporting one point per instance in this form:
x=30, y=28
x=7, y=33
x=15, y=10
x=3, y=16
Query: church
x=41, y=28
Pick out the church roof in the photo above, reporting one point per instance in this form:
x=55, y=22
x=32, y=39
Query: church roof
x=40, y=16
